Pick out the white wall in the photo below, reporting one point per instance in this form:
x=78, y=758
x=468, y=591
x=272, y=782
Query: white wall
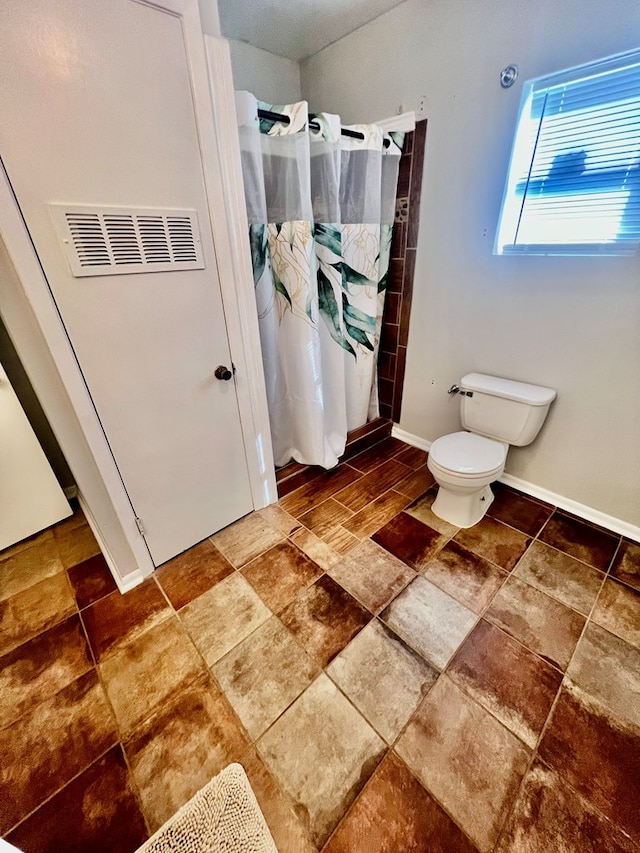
x=570, y=323
x=270, y=78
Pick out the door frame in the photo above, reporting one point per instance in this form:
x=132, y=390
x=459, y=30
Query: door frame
x=35, y=326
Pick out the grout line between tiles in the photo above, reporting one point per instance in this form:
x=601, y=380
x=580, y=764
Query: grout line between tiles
x=42, y=630
x=549, y=717
x=61, y=788
x=430, y=793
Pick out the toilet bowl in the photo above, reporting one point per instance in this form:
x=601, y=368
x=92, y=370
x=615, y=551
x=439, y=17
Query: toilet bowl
x=495, y=413
x=463, y=465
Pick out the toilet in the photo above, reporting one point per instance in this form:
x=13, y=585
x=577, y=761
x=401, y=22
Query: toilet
x=495, y=413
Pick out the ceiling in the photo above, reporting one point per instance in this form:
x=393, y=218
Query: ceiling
x=296, y=28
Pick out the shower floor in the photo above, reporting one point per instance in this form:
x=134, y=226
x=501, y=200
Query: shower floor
x=388, y=681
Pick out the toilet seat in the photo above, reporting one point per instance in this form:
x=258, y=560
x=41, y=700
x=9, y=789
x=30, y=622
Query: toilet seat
x=468, y=455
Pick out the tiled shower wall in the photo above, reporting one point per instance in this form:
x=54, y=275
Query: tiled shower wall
x=395, y=322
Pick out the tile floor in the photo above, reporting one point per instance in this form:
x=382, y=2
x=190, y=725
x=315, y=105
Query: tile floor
x=389, y=682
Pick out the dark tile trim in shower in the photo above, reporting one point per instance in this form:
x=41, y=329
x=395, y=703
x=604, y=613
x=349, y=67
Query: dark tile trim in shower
x=395, y=322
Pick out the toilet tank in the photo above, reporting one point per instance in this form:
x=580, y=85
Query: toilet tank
x=503, y=409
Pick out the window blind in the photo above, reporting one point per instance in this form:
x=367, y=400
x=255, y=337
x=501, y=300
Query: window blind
x=574, y=179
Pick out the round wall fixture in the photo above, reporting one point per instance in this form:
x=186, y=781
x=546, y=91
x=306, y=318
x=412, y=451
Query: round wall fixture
x=508, y=76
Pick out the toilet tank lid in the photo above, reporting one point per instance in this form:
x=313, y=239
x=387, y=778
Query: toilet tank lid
x=522, y=392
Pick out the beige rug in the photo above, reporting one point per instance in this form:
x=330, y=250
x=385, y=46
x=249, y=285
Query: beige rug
x=223, y=816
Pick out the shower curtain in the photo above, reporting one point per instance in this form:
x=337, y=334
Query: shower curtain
x=320, y=208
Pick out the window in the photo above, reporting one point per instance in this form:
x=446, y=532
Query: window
x=573, y=186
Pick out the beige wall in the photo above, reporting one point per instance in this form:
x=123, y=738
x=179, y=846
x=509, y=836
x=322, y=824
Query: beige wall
x=270, y=78
x=570, y=323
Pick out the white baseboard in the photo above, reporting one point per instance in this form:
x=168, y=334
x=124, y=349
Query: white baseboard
x=409, y=438
x=574, y=507
x=123, y=582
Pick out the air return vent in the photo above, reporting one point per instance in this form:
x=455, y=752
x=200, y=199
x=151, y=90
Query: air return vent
x=115, y=240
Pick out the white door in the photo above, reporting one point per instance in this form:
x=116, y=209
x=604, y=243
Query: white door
x=30, y=496
x=97, y=110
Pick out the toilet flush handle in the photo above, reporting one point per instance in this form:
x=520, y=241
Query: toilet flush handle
x=456, y=390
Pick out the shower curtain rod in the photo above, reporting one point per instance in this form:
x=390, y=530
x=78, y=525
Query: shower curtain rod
x=354, y=134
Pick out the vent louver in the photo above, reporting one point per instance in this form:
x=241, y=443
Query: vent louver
x=111, y=241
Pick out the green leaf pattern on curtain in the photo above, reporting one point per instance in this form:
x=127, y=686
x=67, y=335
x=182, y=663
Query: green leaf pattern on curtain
x=328, y=251
x=291, y=254
x=258, y=243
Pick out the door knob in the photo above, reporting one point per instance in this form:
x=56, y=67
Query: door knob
x=222, y=372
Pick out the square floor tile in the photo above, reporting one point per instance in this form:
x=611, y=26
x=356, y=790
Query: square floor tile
x=34, y=610
x=562, y=577
x=597, y=754
x=280, y=573
x=395, y=813
x=466, y=759
x=181, y=747
x=264, y=674
x=222, y=617
x=21, y=569
x=115, y=620
x=75, y=544
x=618, y=610
x=547, y=627
x=105, y=810
x=40, y=667
x=372, y=485
x=323, y=618
x=467, y=577
x=190, y=574
x=609, y=669
x=376, y=514
x=383, y=677
x=91, y=580
x=626, y=565
x=48, y=746
x=517, y=510
x=148, y=671
x=432, y=622
x=588, y=543
x=515, y=685
x=245, y=539
x=550, y=817
x=421, y=509
x=371, y=574
x=321, y=751
x=290, y=830
x=495, y=541
x=409, y=540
